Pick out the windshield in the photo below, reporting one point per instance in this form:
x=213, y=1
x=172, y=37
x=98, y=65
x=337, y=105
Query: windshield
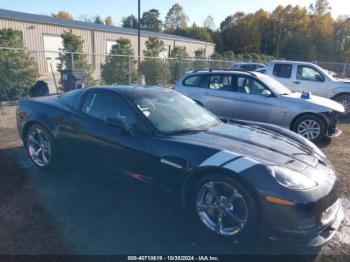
x=275, y=86
x=171, y=112
x=328, y=73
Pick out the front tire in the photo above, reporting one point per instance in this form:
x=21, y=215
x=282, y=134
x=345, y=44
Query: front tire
x=310, y=126
x=224, y=207
x=344, y=99
x=40, y=146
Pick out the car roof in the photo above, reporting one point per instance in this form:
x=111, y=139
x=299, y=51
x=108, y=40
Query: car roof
x=247, y=73
x=130, y=89
x=291, y=62
x=248, y=63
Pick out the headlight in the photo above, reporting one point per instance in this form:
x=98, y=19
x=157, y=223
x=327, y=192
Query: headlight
x=329, y=215
x=291, y=179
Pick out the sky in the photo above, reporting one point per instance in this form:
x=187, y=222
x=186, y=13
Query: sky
x=196, y=10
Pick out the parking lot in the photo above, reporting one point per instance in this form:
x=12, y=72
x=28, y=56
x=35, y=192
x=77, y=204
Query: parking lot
x=84, y=210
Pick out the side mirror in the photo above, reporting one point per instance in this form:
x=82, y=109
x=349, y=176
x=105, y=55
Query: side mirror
x=319, y=77
x=266, y=93
x=120, y=123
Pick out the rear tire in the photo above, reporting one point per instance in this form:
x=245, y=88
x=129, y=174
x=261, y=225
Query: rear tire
x=41, y=147
x=310, y=126
x=344, y=99
x=224, y=208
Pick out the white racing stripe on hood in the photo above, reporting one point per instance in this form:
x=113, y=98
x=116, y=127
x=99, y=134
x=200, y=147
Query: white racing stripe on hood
x=240, y=164
x=219, y=158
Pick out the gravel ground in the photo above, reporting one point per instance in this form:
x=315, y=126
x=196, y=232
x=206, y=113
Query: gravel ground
x=65, y=213
x=338, y=151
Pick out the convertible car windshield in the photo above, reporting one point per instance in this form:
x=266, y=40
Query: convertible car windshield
x=172, y=112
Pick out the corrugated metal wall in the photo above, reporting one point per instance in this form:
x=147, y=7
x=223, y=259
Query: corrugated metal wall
x=94, y=41
x=33, y=36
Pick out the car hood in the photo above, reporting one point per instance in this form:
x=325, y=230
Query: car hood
x=345, y=81
x=317, y=100
x=262, y=145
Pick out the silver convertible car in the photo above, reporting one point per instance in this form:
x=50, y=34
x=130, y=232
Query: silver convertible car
x=257, y=97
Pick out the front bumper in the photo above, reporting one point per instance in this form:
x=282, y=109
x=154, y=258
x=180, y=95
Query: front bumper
x=332, y=120
x=311, y=221
x=312, y=238
x=335, y=132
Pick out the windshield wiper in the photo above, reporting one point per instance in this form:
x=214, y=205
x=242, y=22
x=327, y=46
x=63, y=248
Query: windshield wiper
x=186, y=131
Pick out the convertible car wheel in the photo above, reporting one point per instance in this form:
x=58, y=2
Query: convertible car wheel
x=40, y=146
x=224, y=207
x=311, y=127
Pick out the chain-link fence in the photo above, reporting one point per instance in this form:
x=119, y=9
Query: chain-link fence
x=340, y=70
x=20, y=69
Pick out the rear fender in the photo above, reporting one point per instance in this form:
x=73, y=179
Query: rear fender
x=48, y=117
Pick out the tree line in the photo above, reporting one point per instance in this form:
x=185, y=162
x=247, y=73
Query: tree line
x=290, y=32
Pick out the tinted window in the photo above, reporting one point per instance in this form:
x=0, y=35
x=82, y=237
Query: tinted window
x=249, y=67
x=195, y=81
x=282, y=70
x=71, y=98
x=220, y=82
x=309, y=73
x=103, y=106
x=248, y=85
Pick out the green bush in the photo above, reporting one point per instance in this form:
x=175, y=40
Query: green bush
x=18, y=70
x=177, y=66
x=155, y=69
x=200, y=62
x=74, y=44
x=116, y=68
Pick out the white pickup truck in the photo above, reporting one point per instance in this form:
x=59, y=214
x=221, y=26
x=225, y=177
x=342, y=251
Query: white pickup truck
x=302, y=76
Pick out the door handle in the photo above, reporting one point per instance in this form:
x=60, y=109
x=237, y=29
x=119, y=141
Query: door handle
x=296, y=82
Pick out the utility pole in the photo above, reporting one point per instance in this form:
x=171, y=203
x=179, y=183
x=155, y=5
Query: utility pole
x=138, y=35
x=279, y=39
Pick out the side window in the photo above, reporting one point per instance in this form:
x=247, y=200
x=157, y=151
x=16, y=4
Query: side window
x=248, y=85
x=220, y=82
x=71, y=98
x=103, y=106
x=195, y=81
x=249, y=67
x=310, y=74
x=282, y=70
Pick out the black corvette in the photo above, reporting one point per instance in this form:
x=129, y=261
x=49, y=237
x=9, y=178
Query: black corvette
x=236, y=178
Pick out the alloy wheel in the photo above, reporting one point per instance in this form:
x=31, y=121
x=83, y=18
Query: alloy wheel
x=222, y=208
x=39, y=147
x=346, y=105
x=309, y=129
